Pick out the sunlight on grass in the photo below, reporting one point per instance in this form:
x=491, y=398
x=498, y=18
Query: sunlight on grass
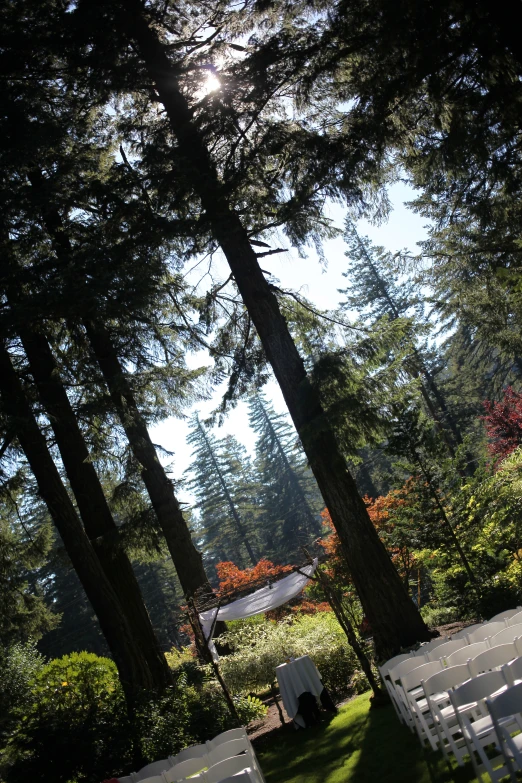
x=358, y=745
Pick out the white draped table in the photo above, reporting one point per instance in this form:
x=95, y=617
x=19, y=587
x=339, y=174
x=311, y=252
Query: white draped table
x=295, y=678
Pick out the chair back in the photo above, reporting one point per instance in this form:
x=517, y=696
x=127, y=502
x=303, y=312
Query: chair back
x=154, y=768
x=227, y=750
x=125, y=779
x=192, y=752
x=413, y=678
x=153, y=779
x=184, y=769
x=446, y=649
x=463, y=634
x=425, y=648
x=513, y=671
x=404, y=667
x=492, y=658
x=485, y=631
x=516, y=618
x=477, y=689
x=507, y=703
x=447, y=678
x=228, y=767
x=469, y=651
x=385, y=668
x=507, y=635
x=226, y=736
x=504, y=615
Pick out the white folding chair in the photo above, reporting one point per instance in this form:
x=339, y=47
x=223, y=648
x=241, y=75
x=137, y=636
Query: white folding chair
x=515, y=619
x=184, y=769
x=503, y=708
x=384, y=672
x=125, y=779
x=484, y=632
x=506, y=615
x=192, y=752
x=493, y=658
x=410, y=691
x=227, y=750
x=468, y=701
x=443, y=716
x=226, y=736
x=469, y=651
x=464, y=632
x=446, y=649
x=395, y=674
x=230, y=767
x=513, y=671
x=154, y=768
x=411, y=684
x=509, y=634
x=153, y=779
x=429, y=646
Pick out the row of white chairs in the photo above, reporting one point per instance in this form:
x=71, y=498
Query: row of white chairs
x=439, y=692
x=482, y=635
x=227, y=754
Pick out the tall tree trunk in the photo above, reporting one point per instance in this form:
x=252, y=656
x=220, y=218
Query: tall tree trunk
x=232, y=506
x=92, y=504
x=128, y=655
x=395, y=621
x=185, y=556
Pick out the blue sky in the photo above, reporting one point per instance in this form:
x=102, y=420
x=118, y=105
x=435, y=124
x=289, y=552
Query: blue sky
x=402, y=230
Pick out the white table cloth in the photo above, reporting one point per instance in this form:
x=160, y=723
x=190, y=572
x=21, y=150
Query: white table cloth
x=295, y=678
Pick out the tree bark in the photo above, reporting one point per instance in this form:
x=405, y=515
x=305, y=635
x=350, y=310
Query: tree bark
x=128, y=655
x=92, y=504
x=185, y=556
x=395, y=621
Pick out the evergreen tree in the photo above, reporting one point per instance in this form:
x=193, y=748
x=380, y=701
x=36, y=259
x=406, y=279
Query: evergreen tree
x=376, y=293
x=290, y=499
x=24, y=547
x=223, y=493
x=212, y=183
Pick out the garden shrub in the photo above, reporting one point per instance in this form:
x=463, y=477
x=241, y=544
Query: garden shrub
x=259, y=645
x=19, y=665
x=73, y=724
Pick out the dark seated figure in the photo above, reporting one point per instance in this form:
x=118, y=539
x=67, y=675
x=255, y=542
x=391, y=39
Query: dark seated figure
x=309, y=709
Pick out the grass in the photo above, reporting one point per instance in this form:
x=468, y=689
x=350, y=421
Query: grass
x=358, y=745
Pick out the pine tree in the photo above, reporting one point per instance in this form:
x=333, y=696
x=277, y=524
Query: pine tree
x=218, y=470
x=395, y=620
x=290, y=498
x=129, y=657
x=376, y=293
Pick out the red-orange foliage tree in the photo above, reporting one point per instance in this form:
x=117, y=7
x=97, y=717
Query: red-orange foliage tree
x=504, y=424
x=384, y=512
x=231, y=578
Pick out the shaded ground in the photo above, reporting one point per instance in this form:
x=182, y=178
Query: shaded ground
x=358, y=745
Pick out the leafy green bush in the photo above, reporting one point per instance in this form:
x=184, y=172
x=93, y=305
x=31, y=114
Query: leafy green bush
x=259, y=646
x=439, y=615
x=19, y=665
x=73, y=724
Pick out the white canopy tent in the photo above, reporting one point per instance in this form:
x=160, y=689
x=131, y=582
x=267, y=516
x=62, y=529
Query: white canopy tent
x=269, y=597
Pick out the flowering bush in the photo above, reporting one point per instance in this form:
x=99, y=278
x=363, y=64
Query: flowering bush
x=259, y=645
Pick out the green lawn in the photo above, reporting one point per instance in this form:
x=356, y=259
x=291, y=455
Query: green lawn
x=358, y=745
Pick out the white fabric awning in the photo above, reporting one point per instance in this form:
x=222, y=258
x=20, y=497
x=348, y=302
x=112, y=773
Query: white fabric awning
x=269, y=597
